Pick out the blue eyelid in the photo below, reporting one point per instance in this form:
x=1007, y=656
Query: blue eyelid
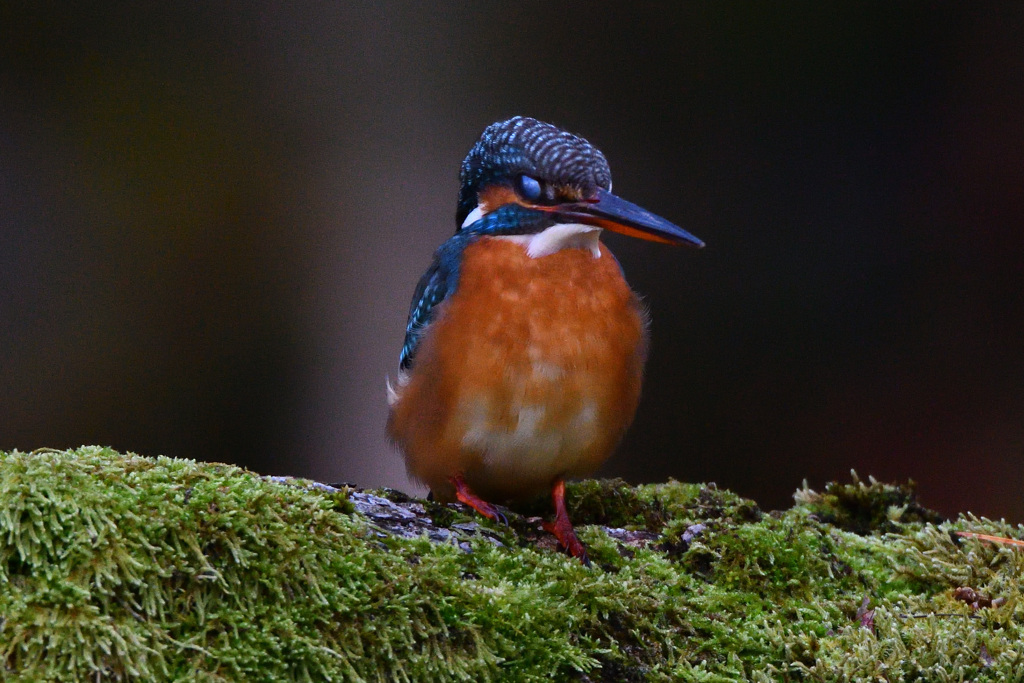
x=529, y=187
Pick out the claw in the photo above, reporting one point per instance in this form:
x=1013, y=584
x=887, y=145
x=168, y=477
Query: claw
x=465, y=495
x=561, y=527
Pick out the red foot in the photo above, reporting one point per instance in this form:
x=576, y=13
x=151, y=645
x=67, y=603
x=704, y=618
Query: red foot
x=562, y=529
x=465, y=495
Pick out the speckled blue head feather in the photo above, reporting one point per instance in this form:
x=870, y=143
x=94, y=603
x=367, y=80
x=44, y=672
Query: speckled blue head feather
x=522, y=145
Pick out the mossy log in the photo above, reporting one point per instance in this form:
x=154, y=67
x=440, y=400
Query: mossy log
x=118, y=567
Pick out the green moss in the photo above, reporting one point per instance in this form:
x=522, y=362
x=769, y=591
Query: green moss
x=864, y=508
x=121, y=567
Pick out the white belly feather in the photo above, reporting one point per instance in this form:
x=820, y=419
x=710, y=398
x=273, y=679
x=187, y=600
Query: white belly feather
x=535, y=447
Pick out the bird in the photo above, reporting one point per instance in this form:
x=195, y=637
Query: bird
x=525, y=347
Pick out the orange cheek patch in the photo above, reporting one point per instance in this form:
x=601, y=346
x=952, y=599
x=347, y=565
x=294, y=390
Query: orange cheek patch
x=568, y=193
x=496, y=196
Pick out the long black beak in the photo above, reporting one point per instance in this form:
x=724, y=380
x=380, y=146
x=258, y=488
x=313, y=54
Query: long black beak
x=605, y=210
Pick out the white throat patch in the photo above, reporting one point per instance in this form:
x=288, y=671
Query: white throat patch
x=558, y=237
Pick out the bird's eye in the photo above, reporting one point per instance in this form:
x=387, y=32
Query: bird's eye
x=528, y=188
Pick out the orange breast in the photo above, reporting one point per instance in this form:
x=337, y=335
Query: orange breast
x=530, y=372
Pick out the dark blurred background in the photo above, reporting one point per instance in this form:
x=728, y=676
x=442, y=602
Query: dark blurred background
x=213, y=215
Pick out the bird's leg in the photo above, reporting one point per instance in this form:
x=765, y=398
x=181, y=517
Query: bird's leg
x=465, y=495
x=561, y=528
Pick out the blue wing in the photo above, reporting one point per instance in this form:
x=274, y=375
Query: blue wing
x=432, y=289
x=436, y=285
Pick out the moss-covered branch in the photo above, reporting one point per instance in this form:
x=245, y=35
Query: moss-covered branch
x=121, y=567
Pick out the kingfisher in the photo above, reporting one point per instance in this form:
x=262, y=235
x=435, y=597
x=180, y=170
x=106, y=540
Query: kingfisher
x=524, y=348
